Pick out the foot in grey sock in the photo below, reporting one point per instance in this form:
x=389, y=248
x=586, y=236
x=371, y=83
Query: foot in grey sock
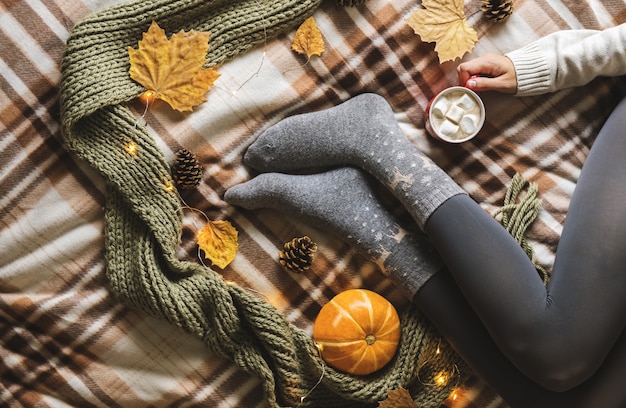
x=342, y=202
x=361, y=132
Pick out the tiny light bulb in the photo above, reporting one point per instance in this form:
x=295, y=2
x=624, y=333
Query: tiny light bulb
x=169, y=187
x=441, y=379
x=147, y=97
x=131, y=148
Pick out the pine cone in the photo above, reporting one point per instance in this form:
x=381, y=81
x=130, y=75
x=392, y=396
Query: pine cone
x=350, y=3
x=187, y=170
x=497, y=10
x=297, y=254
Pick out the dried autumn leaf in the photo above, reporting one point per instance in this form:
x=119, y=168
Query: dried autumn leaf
x=219, y=241
x=443, y=22
x=173, y=69
x=398, y=398
x=308, y=39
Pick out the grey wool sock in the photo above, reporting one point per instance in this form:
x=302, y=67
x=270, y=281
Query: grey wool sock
x=343, y=202
x=361, y=132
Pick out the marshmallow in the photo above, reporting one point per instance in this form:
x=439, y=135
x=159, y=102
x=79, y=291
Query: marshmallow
x=455, y=113
x=440, y=108
x=469, y=123
x=466, y=102
x=448, y=129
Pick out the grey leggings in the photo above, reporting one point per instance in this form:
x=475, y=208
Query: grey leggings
x=560, y=345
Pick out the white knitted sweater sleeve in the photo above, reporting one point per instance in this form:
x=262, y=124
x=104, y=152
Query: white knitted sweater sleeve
x=569, y=58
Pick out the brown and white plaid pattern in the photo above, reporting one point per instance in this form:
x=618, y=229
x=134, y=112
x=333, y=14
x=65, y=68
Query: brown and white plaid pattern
x=65, y=341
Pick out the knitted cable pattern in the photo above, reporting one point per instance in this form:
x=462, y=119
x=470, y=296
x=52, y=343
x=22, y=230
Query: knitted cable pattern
x=143, y=221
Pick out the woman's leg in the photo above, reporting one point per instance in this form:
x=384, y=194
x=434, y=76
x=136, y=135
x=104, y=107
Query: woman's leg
x=344, y=202
x=493, y=272
x=561, y=334
x=442, y=302
x=445, y=306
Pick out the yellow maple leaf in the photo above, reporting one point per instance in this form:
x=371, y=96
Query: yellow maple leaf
x=443, y=22
x=173, y=69
x=219, y=241
x=308, y=39
x=398, y=398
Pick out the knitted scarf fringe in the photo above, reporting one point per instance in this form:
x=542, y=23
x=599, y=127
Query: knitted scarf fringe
x=516, y=217
x=143, y=222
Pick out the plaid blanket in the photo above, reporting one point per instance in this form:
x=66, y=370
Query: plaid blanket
x=66, y=341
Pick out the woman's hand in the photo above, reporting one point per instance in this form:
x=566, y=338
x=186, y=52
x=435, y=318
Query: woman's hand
x=489, y=72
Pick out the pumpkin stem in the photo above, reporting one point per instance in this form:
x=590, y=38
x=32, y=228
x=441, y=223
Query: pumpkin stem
x=370, y=339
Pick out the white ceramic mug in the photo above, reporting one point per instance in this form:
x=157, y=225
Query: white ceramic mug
x=455, y=115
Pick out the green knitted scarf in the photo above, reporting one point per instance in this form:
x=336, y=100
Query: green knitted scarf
x=143, y=217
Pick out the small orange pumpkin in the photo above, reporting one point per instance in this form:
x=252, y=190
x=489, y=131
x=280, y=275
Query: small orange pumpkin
x=358, y=331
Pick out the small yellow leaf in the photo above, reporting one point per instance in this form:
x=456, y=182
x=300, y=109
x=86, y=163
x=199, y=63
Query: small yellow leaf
x=219, y=240
x=398, y=398
x=173, y=69
x=308, y=39
x=443, y=22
